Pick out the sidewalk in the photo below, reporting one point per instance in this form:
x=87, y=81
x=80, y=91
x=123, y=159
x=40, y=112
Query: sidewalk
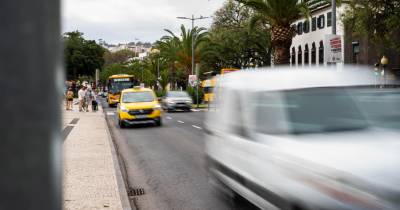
x=92, y=176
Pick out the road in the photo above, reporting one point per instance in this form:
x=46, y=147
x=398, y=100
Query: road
x=168, y=163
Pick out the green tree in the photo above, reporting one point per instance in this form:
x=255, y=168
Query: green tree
x=378, y=20
x=177, y=50
x=121, y=56
x=82, y=57
x=278, y=15
x=231, y=44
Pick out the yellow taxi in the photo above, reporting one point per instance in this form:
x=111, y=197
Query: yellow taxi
x=138, y=106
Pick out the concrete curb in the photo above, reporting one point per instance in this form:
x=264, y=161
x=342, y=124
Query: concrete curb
x=126, y=205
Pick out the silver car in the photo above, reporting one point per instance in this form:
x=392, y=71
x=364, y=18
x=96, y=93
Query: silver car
x=296, y=139
x=177, y=100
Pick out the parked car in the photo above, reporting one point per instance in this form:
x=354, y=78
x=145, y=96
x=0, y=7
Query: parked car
x=298, y=139
x=177, y=100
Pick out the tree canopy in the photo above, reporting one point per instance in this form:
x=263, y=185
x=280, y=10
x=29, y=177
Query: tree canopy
x=231, y=44
x=82, y=57
x=379, y=20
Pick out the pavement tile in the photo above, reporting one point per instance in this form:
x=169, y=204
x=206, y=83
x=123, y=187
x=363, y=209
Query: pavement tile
x=89, y=179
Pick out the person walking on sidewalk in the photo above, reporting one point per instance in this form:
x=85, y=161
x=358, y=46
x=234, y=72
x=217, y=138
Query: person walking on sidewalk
x=94, y=101
x=69, y=98
x=88, y=99
x=81, y=97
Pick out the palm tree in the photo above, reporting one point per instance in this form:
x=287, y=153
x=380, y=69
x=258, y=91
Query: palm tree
x=278, y=15
x=178, y=49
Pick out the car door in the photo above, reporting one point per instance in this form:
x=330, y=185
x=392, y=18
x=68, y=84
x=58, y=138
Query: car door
x=240, y=158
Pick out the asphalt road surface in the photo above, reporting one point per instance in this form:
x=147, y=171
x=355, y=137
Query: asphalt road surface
x=168, y=163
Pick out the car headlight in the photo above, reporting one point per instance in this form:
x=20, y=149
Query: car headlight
x=123, y=109
x=157, y=107
x=170, y=102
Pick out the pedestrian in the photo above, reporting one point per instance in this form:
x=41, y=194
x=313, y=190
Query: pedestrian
x=81, y=98
x=69, y=98
x=88, y=99
x=94, y=102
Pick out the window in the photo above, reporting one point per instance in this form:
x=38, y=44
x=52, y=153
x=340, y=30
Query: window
x=329, y=19
x=314, y=24
x=306, y=55
x=305, y=111
x=306, y=26
x=237, y=126
x=321, y=21
x=313, y=54
x=135, y=97
x=293, y=56
x=321, y=52
x=270, y=116
x=300, y=28
x=299, y=56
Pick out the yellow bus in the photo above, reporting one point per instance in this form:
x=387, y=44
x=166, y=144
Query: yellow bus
x=209, y=84
x=116, y=84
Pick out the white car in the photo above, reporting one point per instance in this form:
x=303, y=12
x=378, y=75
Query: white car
x=300, y=139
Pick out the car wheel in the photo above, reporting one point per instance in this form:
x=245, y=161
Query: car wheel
x=121, y=124
x=158, y=121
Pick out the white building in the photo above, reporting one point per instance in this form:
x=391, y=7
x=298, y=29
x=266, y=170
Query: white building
x=309, y=45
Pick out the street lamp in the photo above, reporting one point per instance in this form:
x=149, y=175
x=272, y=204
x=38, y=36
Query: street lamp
x=193, y=19
x=384, y=62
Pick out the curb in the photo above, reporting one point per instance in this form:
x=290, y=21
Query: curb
x=126, y=205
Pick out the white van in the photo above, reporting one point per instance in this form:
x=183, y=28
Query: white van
x=300, y=139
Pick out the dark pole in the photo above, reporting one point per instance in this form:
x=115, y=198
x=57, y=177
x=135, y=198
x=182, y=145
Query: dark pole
x=31, y=81
x=193, y=19
x=334, y=17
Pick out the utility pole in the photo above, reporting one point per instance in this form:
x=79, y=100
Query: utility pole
x=334, y=17
x=31, y=142
x=193, y=37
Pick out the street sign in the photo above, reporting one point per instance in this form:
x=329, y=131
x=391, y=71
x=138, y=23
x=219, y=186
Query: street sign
x=192, y=80
x=333, y=48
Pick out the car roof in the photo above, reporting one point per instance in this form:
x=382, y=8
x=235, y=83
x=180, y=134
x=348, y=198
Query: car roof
x=286, y=78
x=137, y=90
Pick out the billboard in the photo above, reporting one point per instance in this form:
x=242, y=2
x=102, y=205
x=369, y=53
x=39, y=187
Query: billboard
x=333, y=48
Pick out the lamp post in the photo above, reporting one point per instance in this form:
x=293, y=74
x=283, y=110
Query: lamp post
x=193, y=38
x=384, y=62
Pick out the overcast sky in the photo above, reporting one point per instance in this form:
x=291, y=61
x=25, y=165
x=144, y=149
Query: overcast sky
x=121, y=21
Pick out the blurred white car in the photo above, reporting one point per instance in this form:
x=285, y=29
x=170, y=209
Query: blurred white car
x=300, y=139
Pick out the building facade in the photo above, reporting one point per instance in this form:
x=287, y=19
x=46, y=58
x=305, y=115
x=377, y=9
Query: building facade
x=308, y=46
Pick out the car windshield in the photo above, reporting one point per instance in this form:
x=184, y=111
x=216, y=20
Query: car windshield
x=177, y=94
x=133, y=97
x=314, y=110
x=380, y=106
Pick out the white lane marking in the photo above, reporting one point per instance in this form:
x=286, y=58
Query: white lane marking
x=110, y=113
x=195, y=110
x=180, y=121
x=195, y=126
x=169, y=118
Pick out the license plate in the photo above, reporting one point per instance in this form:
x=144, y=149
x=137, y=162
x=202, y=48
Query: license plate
x=140, y=116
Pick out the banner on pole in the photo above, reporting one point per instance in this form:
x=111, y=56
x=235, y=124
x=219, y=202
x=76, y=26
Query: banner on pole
x=192, y=80
x=333, y=48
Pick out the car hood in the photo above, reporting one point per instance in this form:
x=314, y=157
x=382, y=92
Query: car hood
x=178, y=99
x=140, y=105
x=371, y=155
